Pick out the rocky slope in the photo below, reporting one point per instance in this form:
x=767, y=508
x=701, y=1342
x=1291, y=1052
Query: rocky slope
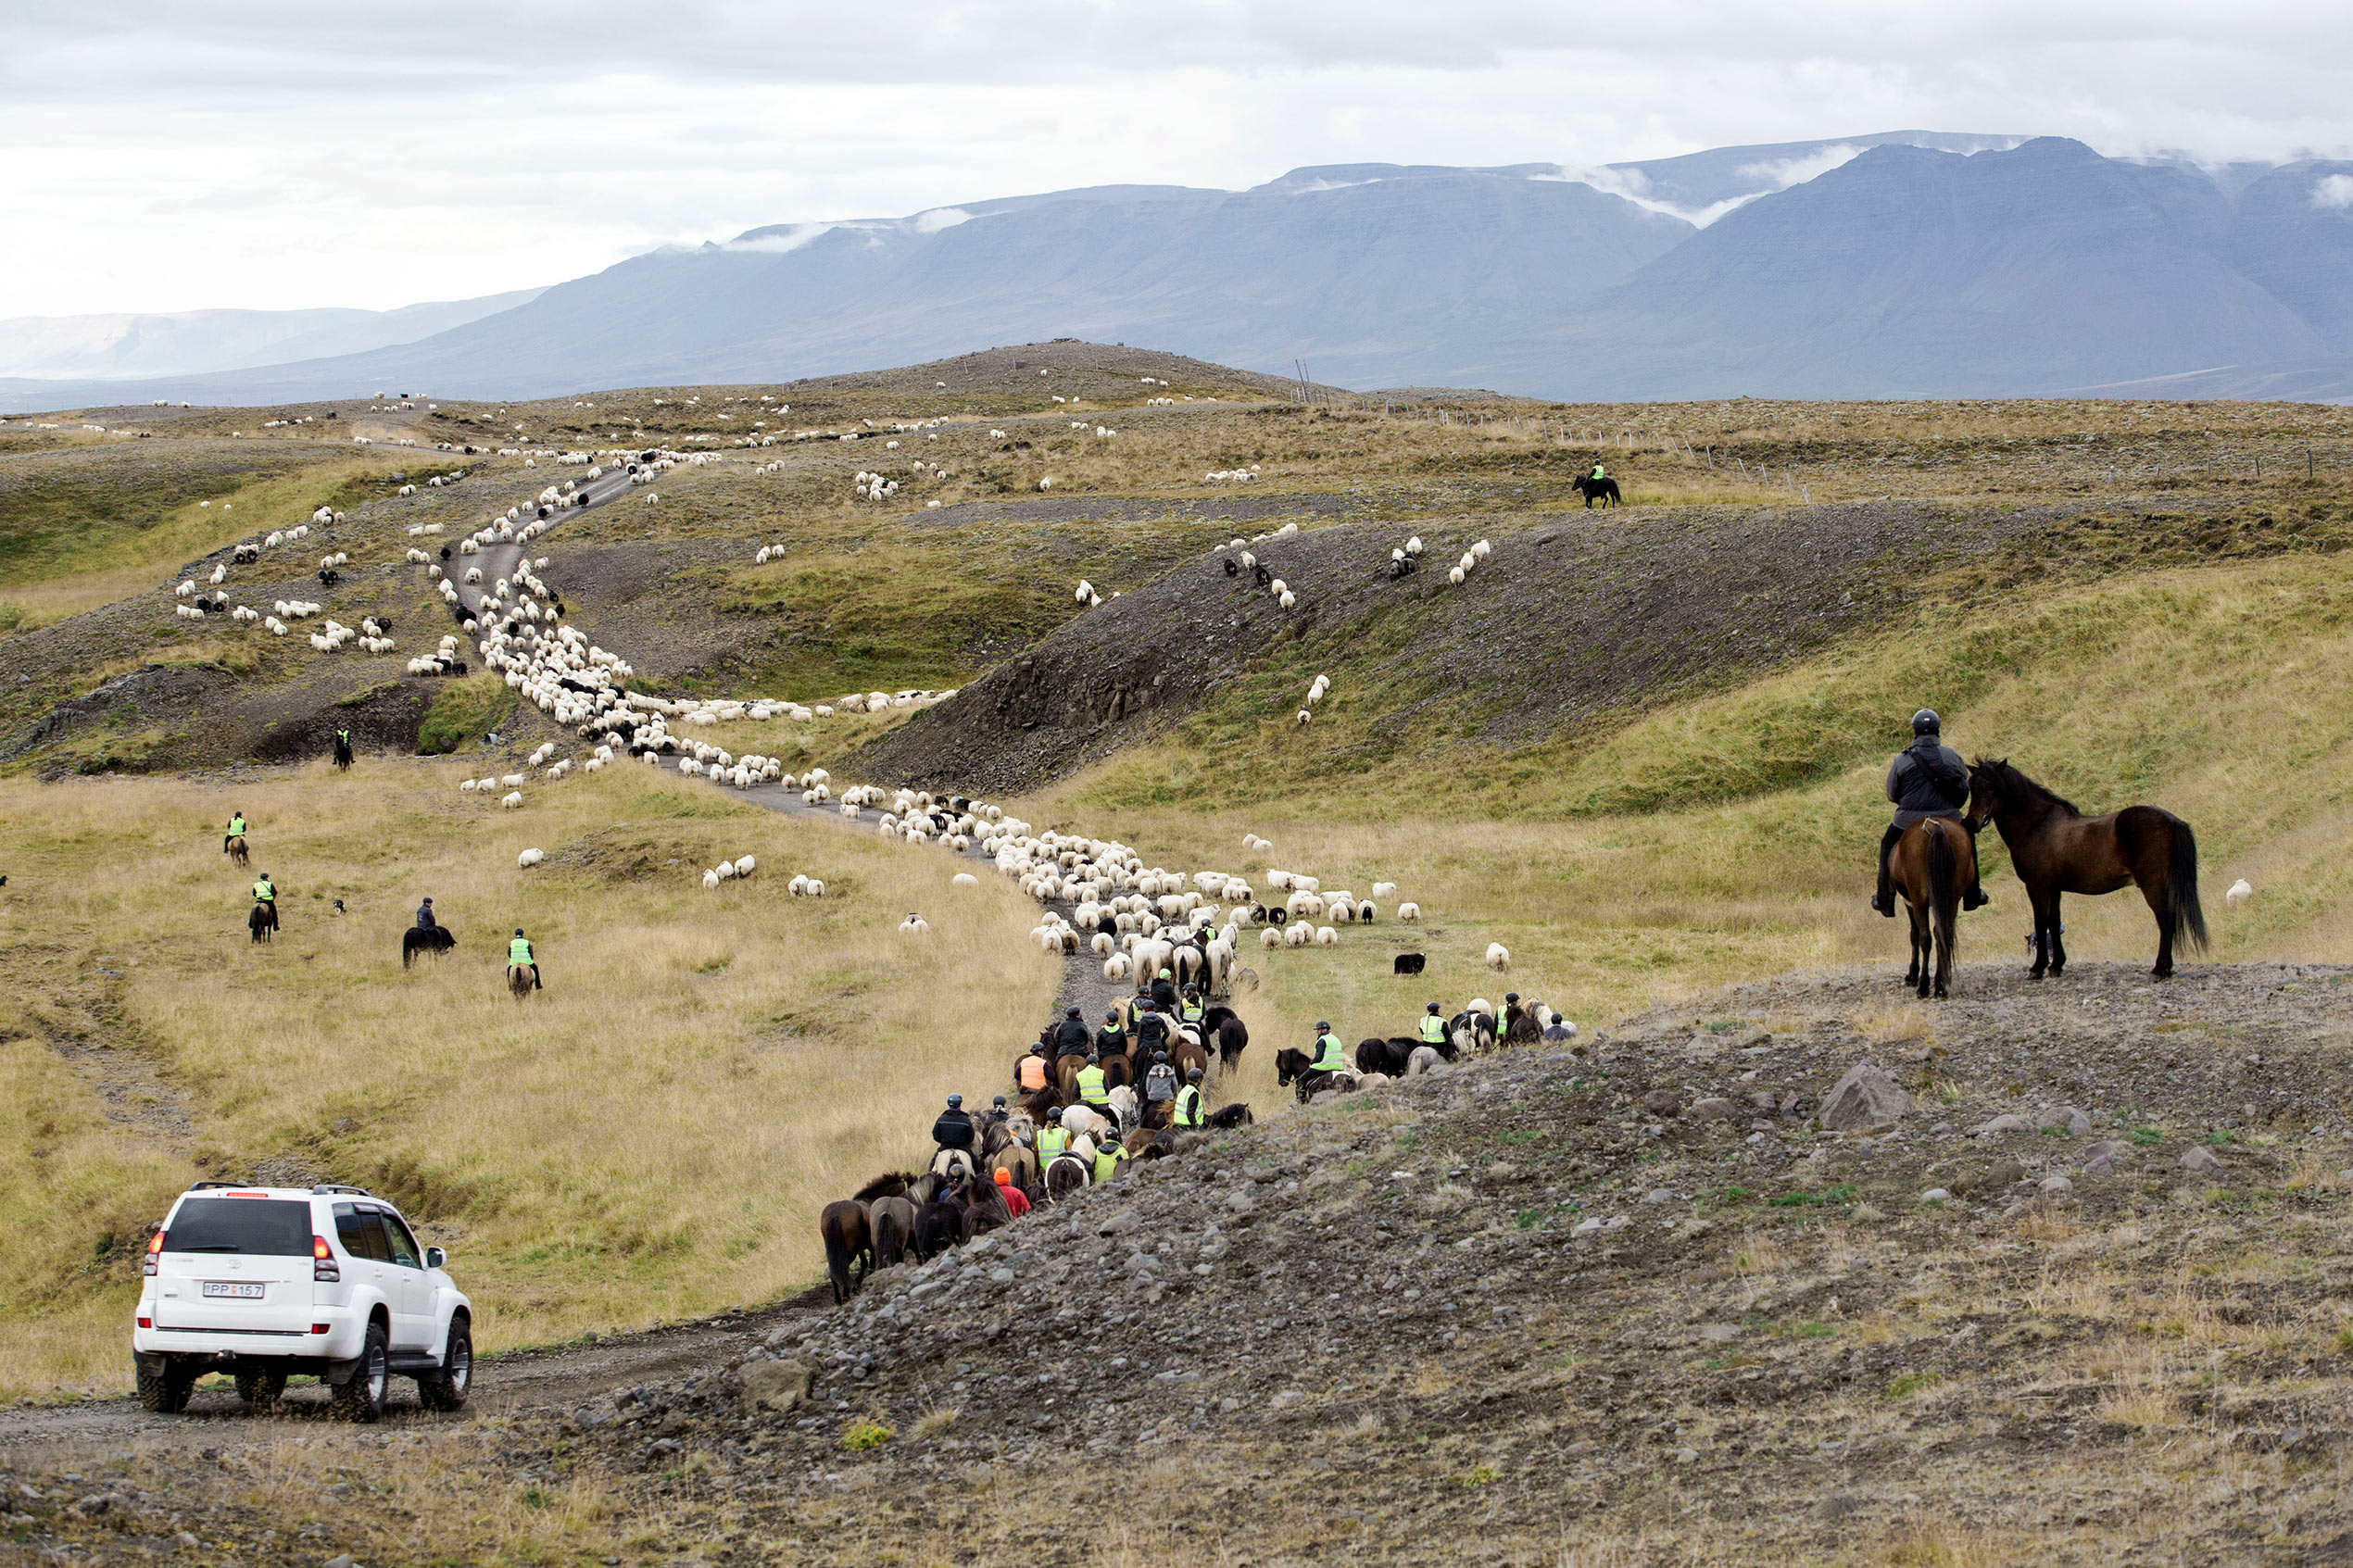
x=1627, y=1301
x=1536, y=641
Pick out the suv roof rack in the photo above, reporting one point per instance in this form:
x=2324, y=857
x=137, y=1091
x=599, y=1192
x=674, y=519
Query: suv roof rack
x=209, y=1186
x=338, y=1186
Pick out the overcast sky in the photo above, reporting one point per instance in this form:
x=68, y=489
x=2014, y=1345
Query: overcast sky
x=210, y=153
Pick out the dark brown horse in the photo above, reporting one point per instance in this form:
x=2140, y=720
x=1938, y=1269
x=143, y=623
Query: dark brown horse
x=848, y=1241
x=1929, y=867
x=2054, y=849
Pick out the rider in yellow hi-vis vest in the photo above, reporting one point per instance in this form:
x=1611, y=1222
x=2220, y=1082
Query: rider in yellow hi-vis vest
x=519, y=956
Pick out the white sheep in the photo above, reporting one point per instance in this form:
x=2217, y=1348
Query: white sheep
x=1288, y=599
x=1383, y=889
x=1409, y=911
x=2239, y=893
x=709, y=880
x=962, y=879
x=1304, y=718
x=745, y=865
x=817, y=888
x=913, y=925
x=529, y=858
x=512, y=802
x=1499, y=958
x=1327, y=937
x=1118, y=967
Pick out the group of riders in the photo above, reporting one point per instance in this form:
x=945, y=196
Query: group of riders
x=520, y=955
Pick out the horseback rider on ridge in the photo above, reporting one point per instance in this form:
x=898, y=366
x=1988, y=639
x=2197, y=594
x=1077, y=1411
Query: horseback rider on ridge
x=1927, y=779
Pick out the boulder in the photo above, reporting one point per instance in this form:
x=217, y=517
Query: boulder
x=2200, y=1157
x=2000, y=1124
x=1714, y=1108
x=1864, y=1097
x=775, y=1386
x=1663, y=1102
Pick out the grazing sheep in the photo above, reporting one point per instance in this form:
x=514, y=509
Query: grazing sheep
x=529, y=858
x=913, y=925
x=1326, y=936
x=1271, y=938
x=2239, y=893
x=1455, y=577
x=962, y=879
x=709, y=880
x=512, y=802
x=1409, y=911
x=1383, y=889
x=465, y=787
x=1304, y=718
x=1499, y=958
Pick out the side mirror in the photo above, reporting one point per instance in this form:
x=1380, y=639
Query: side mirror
x=436, y=1258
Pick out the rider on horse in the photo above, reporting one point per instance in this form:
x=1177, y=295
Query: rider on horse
x=237, y=830
x=424, y=916
x=1598, y=473
x=266, y=892
x=1927, y=779
x=519, y=956
x=954, y=1128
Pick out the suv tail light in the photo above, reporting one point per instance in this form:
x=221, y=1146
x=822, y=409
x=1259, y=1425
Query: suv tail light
x=154, y=1246
x=323, y=1267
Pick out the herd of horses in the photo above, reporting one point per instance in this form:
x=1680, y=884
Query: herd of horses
x=2055, y=849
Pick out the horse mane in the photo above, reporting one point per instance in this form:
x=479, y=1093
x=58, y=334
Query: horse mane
x=2012, y=781
x=890, y=1183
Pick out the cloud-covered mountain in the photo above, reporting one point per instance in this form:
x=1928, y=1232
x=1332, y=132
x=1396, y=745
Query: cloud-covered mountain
x=1898, y=265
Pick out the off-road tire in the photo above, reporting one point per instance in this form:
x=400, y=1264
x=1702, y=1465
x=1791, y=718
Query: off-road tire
x=261, y=1389
x=166, y=1392
x=362, y=1399
x=446, y=1390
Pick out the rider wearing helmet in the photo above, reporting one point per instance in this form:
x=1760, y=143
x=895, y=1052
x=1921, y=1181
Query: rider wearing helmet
x=1188, y=1112
x=1330, y=1056
x=519, y=956
x=1433, y=1026
x=1927, y=779
x=1053, y=1139
x=424, y=917
x=1070, y=1035
x=1160, y=1081
x=237, y=830
x=954, y=1128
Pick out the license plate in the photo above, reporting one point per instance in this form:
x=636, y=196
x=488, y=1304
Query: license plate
x=238, y=1290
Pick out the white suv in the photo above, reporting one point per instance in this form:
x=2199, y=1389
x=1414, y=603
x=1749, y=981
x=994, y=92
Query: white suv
x=261, y=1282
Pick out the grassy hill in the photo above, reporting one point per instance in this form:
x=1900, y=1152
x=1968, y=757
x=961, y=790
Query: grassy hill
x=1639, y=747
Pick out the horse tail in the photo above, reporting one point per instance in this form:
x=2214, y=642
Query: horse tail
x=2181, y=908
x=1944, y=883
x=837, y=1253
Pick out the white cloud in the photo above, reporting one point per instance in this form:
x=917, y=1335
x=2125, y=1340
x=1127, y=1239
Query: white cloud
x=211, y=153
x=2334, y=190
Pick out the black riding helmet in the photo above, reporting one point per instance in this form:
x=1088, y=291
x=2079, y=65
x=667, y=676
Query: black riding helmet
x=1926, y=723
x=1160, y=1056
x=1192, y=1076
x=1433, y=1007
x=1000, y=1099
x=955, y=1103
x=1323, y=1026
x=1071, y=1013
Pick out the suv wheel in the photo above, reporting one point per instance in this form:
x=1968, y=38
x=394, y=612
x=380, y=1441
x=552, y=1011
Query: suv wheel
x=362, y=1399
x=166, y=1392
x=446, y=1390
x=261, y=1389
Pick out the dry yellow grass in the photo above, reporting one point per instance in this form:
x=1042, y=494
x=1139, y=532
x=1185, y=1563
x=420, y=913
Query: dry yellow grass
x=644, y=1140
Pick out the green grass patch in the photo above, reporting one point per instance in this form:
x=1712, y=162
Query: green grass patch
x=861, y=1435
x=463, y=711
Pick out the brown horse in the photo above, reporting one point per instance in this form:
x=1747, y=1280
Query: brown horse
x=1021, y=1162
x=1066, y=1071
x=2054, y=849
x=235, y=849
x=848, y=1241
x=1929, y=867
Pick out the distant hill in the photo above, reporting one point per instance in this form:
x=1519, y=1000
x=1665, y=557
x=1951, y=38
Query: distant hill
x=1900, y=264
x=194, y=342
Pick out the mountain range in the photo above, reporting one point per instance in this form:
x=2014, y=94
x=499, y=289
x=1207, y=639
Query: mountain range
x=1902, y=264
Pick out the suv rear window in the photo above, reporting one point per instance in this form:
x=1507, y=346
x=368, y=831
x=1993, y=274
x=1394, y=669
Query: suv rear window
x=267, y=1226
